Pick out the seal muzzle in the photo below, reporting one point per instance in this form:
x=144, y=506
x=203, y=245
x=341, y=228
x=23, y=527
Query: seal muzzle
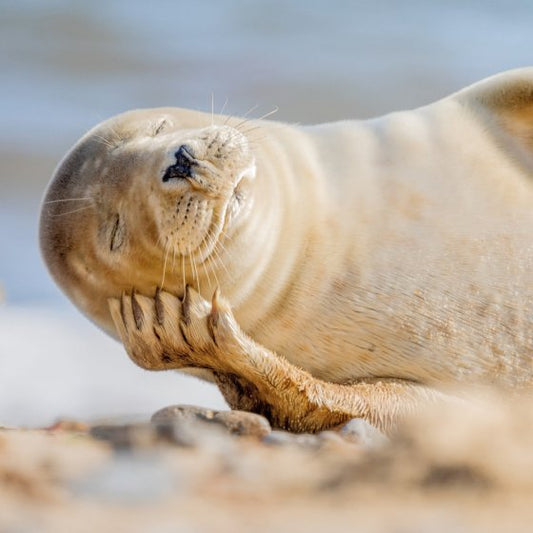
x=183, y=168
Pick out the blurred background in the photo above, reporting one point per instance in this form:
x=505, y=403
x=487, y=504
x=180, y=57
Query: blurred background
x=66, y=65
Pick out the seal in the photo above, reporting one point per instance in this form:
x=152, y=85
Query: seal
x=365, y=266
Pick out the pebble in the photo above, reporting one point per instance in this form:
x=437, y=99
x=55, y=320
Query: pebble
x=125, y=436
x=193, y=426
x=183, y=412
x=359, y=431
x=331, y=437
x=137, y=436
x=239, y=423
x=243, y=423
x=283, y=438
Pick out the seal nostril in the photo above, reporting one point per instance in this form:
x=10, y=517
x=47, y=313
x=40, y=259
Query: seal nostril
x=183, y=167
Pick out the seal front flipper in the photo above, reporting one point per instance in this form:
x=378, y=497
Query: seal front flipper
x=165, y=332
x=150, y=330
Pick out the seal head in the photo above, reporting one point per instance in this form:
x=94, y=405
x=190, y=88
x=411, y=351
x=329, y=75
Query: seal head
x=138, y=194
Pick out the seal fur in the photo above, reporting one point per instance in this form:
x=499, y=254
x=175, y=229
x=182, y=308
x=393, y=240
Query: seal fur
x=365, y=265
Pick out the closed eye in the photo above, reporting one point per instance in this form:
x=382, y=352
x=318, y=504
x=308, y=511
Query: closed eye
x=161, y=126
x=117, y=234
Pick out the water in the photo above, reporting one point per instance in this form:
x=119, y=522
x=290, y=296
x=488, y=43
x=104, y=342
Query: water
x=66, y=65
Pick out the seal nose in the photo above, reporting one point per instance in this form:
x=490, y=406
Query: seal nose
x=183, y=167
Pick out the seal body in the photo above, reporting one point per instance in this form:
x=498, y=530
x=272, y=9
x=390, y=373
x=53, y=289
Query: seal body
x=398, y=248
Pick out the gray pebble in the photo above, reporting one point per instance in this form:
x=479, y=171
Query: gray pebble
x=235, y=422
x=243, y=423
x=184, y=433
x=331, y=437
x=125, y=436
x=278, y=438
x=359, y=431
x=284, y=438
x=183, y=412
x=180, y=432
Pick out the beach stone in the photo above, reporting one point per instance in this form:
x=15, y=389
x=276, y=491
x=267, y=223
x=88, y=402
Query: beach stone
x=331, y=437
x=125, y=436
x=278, y=438
x=145, y=435
x=285, y=438
x=183, y=433
x=235, y=422
x=243, y=423
x=359, y=431
x=173, y=413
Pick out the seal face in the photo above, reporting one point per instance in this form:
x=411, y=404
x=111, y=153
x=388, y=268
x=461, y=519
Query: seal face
x=397, y=251
x=134, y=195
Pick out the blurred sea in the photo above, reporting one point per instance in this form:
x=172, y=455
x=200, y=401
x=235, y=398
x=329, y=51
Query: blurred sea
x=66, y=65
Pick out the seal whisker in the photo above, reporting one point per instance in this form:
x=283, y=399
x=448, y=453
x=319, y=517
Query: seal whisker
x=167, y=249
x=206, y=236
x=104, y=141
x=252, y=136
x=228, y=118
x=159, y=240
x=212, y=265
x=250, y=130
x=87, y=198
x=220, y=263
x=196, y=274
x=174, y=248
x=183, y=273
x=222, y=249
x=206, y=269
x=195, y=271
x=270, y=113
x=277, y=125
x=222, y=232
x=223, y=107
x=117, y=138
x=217, y=256
x=253, y=108
x=72, y=212
x=240, y=125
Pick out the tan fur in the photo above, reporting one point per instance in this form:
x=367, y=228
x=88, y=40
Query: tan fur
x=368, y=264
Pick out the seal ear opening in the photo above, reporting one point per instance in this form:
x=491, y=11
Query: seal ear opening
x=507, y=100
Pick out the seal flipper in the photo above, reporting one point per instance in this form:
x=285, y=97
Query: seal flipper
x=165, y=332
